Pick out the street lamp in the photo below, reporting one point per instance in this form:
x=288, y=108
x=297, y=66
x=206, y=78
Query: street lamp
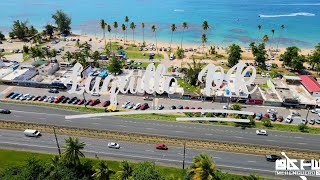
x=184, y=155
x=307, y=113
x=55, y=135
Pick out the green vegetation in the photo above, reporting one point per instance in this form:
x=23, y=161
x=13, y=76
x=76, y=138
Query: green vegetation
x=63, y=21
x=234, y=51
x=314, y=58
x=21, y=30
x=187, y=87
x=259, y=53
x=115, y=66
x=2, y=37
x=292, y=58
x=263, y=85
x=191, y=73
x=162, y=117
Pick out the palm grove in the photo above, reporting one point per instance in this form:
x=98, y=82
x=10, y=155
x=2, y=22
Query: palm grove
x=72, y=164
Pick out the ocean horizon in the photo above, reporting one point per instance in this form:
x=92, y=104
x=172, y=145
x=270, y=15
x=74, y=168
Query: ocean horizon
x=230, y=21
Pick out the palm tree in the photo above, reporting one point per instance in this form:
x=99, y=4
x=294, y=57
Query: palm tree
x=102, y=171
x=259, y=28
x=205, y=25
x=103, y=27
x=115, y=26
x=272, y=31
x=72, y=152
x=142, y=26
x=126, y=19
x=2, y=56
x=265, y=38
x=124, y=32
x=173, y=29
x=125, y=172
x=184, y=26
x=282, y=28
x=68, y=56
x=153, y=28
x=204, y=41
x=132, y=27
x=109, y=30
x=203, y=167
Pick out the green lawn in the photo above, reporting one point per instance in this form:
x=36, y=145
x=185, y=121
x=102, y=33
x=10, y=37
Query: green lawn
x=163, y=117
x=187, y=87
x=138, y=55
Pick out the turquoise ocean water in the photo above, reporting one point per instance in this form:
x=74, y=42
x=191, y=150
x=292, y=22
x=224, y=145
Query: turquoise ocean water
x=231, y=21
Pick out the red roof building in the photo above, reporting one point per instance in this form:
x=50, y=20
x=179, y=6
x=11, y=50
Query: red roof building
x=311, y=84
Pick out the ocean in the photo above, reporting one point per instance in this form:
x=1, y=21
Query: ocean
x=230, y=21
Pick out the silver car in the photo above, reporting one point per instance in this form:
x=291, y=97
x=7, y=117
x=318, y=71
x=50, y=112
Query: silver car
x=114, y=145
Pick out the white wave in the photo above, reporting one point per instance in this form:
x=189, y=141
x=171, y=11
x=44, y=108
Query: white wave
x=287, y=15
x=178, y=10
x=298, y=4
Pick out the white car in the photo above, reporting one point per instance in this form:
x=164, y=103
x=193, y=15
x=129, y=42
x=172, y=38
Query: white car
x=304, y=121
x=261, y=132
x=225, y=107
x=124, y=105
x=267, y=75
x=95, y=94
x=130, y=105
x=263, y=75
x=295, y=114
x=289, y=119
x=272, y=111
x=24, y=97
x=137, y=106
x=114, y=145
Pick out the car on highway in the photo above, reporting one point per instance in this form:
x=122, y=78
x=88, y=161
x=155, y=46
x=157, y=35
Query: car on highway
x=312, y=121
x=144, y=106
x=272, y=158
x=113, y=145
x=31, y=133
x=137, y=106
x=272, y=111
x=124, y=105
x=261, y=132
x=161, y=147
x=53, y=91
x=5, y=111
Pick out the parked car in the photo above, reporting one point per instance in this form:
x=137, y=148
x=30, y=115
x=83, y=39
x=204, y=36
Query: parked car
x=36, y=98
x=87, y=102
x=5, y=111
x=280, y=118
x=94, y=102
x=272, y=111
x=312, y=121
x=144, y=106
x=72, y=99
x=130, y=105
x=186, y=107
x=266, y=115
x=289, y=119
x=161, y=147
x=137, y=106
x=42, y=98
x=261, y=132
x=76, y=101
x=259, y=116
x=272, y=158
x=64, y=100
x=59, y=99
x=273, y=117
x=180, y=107
x=316, y=110
x=148, y=98
x=105, y=104
x=304, y=121
x=160, y=107
x=318, y=121
x=30, y=97
x=294, y=113
x=53, y=91
x=173, y=107
x=114, y=145
x=81, y=102
x=95, y=94
x=19, y=96
x=124, y=105
x=9, y=94
x=14, y=95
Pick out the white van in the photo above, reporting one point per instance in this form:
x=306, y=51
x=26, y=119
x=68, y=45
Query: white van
x=171, y=56
x=31, y=133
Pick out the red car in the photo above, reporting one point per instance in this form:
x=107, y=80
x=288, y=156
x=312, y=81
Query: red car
x=161, y=147
x=192, y=108
x=81, y=102
x=186, y=107
x=94, y=102
x=266, y=115
x=59, y=99
x=105, y=104
x=144, y=106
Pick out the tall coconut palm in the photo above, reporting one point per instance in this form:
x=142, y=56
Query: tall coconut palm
x=126, y=19
x=142, y=26
x=123, y=27
x=115, y=26
x=109, y=30
x=265, y=38
x=203, y=167
x=103, y=27
x=173, y=29
x=205, y=25
x=272, y=31
x=102, y=171
x=154, y=30
x=184, y=26
x=259, y=28
x=68, y=56
x=204, y=41
x=282, y=28
x=125, y=171
x=72, y=152
x=132, y=27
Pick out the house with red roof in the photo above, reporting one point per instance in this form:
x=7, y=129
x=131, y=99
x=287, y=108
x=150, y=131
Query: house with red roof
x=311, y=84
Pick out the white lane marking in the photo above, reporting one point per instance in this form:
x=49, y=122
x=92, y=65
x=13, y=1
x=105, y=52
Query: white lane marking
x=150, y=128
x=122, y=125
x=179, y=131
x=270, y=140
x=209, y=134
x=302, y=143
x=252, y=161
x=42, y=118
x=68, y=120
x=38, y=113
x=149, y=150
x=95, y=123
x=238, y=137
x=298, y=137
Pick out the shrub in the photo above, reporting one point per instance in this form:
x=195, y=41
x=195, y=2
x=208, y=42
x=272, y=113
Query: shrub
x=303, y=128
x=266, y=122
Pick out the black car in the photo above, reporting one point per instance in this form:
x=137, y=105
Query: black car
x=272, y=158
x=72, y=99
x=10, y=94
x=76, y=101
x=64, y=100
x=173, y=107
x=42, y=98
x=53, y=91
x=180, y=107
x=5, y=111
x=87, y=102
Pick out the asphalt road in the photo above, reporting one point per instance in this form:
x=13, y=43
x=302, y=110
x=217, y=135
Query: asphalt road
x=232, y=162
x=51, y=116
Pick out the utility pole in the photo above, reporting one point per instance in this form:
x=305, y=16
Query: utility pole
x=55, y=135
x=84, y=98
x=184, y=155
x=307, y=113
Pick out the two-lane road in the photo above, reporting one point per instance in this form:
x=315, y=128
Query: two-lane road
x=47, y=115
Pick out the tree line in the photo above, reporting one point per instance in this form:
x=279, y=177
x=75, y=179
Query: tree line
x=72, y=165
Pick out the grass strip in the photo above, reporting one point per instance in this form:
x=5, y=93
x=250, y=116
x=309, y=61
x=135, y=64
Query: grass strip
x=151, y=139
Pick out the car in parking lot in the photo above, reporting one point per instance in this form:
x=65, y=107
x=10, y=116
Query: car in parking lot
x=65, y=100
x=144, y=106
x=294, y=113
x=105, y=104
x=261, y=132
x=5, y=111
x=87, y=102
x=43, y=98
x=130, y=105
x=180, y=107
x=280, y=118
x=312, y=121
x=272, y=111
x=9, y=94
x=137, y=106
x=94, y=102
x=273, y=117
x=53, y=91
x=258, y=116
x=161, y=147
x=82, y=101
x=14, y=95
x=272, y=158
x=114, y=145
x=36, y=98
x=160, y=107
x=289, y=119
x=148, y=98
x=72, y=99
x=318, y=121
x=173, y=107
x=304, y=121
x=124, y=105
x=59, y=99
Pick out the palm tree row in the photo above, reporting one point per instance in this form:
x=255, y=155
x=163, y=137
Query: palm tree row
x=265, y=38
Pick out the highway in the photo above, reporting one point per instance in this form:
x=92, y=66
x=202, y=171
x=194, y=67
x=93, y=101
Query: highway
x=45, y=115
x=233, y=162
